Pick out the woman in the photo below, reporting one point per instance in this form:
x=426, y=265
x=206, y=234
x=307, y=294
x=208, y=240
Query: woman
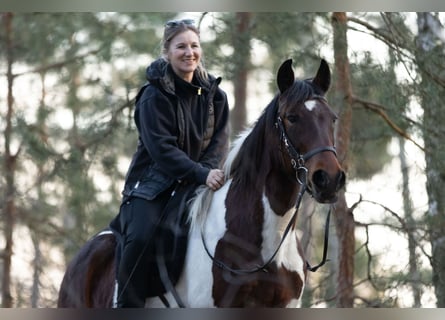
x=182, y=120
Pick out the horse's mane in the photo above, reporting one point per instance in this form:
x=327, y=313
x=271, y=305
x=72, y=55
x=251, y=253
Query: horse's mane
x=247, y=154
x=246, y=164
x=242, y=147
x=253, y=159
x=237, y=144
x=200, y=204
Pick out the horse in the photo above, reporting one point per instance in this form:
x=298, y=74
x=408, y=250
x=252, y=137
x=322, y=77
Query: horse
x=243, y=249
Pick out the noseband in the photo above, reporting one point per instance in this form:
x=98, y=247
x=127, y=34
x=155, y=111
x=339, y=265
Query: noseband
x=298, y=160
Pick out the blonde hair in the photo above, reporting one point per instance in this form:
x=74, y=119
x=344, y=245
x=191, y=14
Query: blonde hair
x=172, y=29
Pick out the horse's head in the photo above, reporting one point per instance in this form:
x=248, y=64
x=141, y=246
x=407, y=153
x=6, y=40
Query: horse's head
x=307, y=122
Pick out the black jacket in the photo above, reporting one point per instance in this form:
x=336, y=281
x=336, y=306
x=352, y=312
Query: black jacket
x=178, y=140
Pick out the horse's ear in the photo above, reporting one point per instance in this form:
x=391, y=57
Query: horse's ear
x=323, y=77
x=285, y=77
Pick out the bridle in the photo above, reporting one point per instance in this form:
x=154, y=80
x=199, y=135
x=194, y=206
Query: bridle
x=298, y=161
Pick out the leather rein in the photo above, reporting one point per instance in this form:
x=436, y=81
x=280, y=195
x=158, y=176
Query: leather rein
x=298, y=161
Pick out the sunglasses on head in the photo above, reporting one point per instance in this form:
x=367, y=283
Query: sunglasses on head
x=175, y=23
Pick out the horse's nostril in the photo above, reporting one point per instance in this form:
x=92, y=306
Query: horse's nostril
x=320, y=179
x=341, y=180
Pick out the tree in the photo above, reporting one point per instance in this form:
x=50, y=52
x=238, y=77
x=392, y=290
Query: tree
x=234, y=31
x=425, y=57
x=241, y=42
x=344, y=219
x=10, y=159
x=430, y=57
x=285, y=35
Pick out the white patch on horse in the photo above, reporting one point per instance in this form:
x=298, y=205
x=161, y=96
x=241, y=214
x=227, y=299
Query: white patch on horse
x=198, y=266
x=273, y=230
x=310, y=104
x=196, y=282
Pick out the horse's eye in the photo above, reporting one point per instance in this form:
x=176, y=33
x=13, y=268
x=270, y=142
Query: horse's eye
x=292, y=118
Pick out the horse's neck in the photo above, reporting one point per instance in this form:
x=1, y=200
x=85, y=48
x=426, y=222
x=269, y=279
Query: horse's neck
x=281, y=192
x=259, y=189
x=260, y=205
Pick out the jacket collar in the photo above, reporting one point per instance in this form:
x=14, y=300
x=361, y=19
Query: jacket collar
x=160, y=73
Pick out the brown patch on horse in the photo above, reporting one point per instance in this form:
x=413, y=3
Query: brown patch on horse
x=89, y=278
x=240, y=248
x=278, y=287
x=275, y=288
x=101, y=273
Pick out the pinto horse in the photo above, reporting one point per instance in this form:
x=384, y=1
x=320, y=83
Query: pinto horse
x=243, y=250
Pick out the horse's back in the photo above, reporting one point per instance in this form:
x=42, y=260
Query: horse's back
x=89, y=279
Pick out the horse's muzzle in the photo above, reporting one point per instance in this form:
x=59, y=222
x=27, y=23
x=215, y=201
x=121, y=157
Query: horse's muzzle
x=325, y=187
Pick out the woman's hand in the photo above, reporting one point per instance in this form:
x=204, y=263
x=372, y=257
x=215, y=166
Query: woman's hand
x=215, y=179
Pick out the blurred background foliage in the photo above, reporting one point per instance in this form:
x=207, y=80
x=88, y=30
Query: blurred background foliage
x=68, y=82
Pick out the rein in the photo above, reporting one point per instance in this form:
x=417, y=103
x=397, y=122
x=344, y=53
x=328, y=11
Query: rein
x=264, y=266
x=298, y=161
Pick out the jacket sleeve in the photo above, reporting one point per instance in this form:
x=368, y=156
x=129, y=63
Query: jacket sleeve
x=156, y=121
x=217, y=149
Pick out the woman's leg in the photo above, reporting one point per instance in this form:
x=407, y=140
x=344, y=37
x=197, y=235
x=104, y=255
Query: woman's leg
x=139, y=220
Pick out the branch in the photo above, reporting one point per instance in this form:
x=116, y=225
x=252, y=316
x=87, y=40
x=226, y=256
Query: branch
x=111, y=125
x=380, y=110
x=369, y=264
x=72, y=59
x=379, y=224
x=393, y=42
x=407, y=229
x=59, y=64
x=381, y=34
x=39, y=224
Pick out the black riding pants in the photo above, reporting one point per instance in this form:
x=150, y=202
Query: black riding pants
x=138, y=219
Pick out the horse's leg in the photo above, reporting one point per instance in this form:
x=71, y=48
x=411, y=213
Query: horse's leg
x=89, y=278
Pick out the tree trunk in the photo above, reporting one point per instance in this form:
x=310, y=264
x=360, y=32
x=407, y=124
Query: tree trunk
x=344, y=219
x=414, y=276
x=37, y=270
x=9, y=166
x=430, y=60
x=242, y=62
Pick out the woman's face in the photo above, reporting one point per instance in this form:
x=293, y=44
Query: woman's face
x=184, y=54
